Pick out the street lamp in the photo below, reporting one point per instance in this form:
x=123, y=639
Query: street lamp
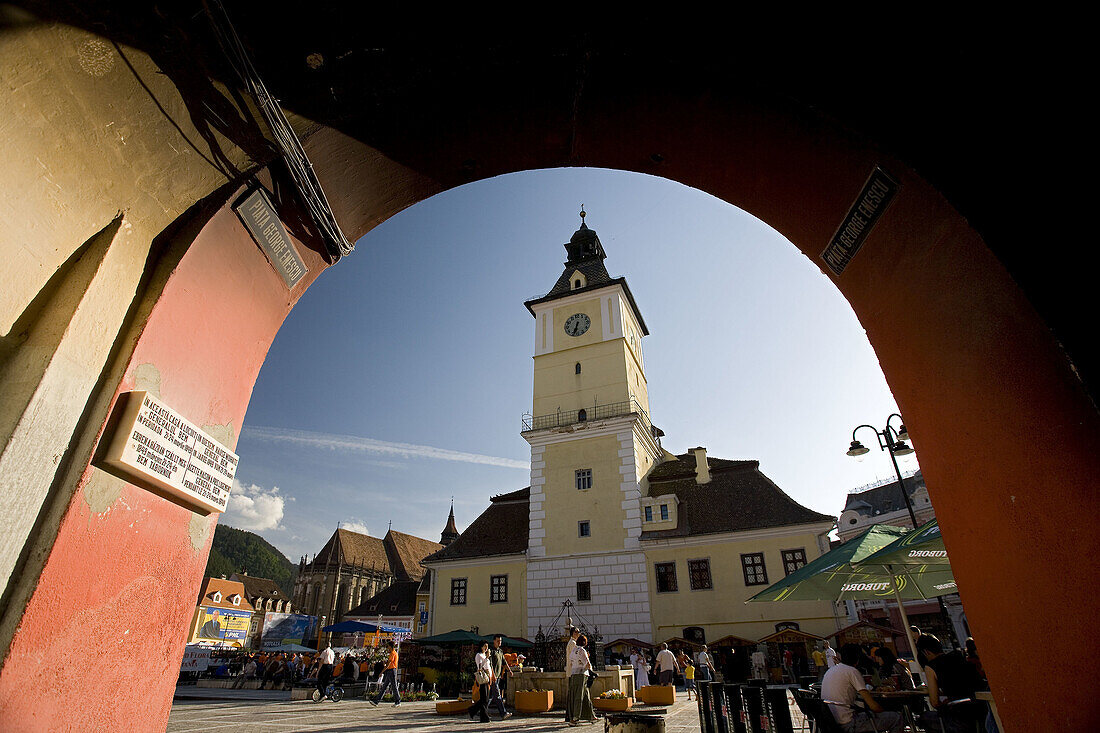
x=893, y=442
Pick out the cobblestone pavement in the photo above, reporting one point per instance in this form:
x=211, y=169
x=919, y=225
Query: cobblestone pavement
x=284, y=716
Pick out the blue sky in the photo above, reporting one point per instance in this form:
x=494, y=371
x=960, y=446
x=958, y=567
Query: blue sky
x=400, y=378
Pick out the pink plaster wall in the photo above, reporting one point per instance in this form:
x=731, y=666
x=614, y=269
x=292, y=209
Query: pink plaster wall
x=100, y=643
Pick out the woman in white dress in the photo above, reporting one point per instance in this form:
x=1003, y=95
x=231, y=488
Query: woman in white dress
x=641, y=675
x=481, y=664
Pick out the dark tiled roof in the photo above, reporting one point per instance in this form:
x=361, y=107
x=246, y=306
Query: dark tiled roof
x=352, y=548
x=739, y=497
x=258, y=587
x=499, y=530
x=401, y=594
x=884, y=499
x=406, y=552
x=399, y=554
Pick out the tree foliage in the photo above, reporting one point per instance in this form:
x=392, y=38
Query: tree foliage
x=239, y=551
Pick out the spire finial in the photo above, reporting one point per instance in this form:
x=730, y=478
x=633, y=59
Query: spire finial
x=390, y=526
x=582, y=214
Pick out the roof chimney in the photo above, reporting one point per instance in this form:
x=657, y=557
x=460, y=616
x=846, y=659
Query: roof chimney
x=702, y=469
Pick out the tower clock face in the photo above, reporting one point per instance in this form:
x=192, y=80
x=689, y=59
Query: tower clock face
x=577, y=324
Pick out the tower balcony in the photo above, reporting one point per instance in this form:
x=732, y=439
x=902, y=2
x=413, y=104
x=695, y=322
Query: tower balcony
x=565, y=418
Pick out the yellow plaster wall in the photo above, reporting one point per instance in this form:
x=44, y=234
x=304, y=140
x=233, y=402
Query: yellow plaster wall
x=602, y=379
x=565, y=505
x=508, y=618
x=721, y=610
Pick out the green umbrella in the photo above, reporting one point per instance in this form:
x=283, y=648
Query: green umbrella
x=856, y=570
x=921, y=547
x=833, y=577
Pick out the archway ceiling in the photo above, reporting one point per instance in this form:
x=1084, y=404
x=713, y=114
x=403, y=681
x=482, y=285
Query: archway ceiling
x=989, y=121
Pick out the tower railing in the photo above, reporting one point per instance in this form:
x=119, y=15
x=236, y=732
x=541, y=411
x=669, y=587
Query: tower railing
x=563, y=418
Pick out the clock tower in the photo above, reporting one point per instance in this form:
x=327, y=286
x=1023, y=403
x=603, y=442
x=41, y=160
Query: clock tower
x=592, y=444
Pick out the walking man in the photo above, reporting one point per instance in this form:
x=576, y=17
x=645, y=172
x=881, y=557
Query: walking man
x=666, y=666
x=389, y=679
x=498, y=684
x=704, y=666
x=574, y=634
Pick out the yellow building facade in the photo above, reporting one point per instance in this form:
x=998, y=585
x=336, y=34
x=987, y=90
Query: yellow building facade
x=643, y=543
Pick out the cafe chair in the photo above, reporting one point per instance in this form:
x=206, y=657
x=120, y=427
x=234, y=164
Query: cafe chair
x=809, y=704
x=970, y=713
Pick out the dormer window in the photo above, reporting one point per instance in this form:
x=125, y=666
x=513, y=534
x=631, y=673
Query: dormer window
x=577, y=280
x=217, y=597
x=576, y=284
x=235, y=599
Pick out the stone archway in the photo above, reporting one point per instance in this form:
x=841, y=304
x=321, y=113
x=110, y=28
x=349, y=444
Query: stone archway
x=1000, y=415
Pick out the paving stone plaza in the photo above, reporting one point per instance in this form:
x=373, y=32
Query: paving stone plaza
x=271, y=712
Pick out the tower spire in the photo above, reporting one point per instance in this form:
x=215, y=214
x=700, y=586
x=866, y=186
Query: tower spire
x=450, y=532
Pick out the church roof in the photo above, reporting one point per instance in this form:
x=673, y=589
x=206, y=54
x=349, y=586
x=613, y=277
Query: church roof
x=352, y=548
x=499, y=530
x=407, y=552
x=398, y=554
x=398, y=599
x=739, y=497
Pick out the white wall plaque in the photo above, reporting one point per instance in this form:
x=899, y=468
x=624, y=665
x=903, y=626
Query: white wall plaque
x=152, y=446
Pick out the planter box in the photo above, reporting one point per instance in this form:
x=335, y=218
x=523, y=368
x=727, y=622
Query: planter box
x=657, y=694
x=613, y=706
x=541, y=701
x=452, y=707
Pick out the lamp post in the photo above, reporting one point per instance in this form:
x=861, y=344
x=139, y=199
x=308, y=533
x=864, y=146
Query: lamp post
x=893, y=442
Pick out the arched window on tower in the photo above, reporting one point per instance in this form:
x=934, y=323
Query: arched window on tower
x=581, y=415
x=576, y=284
x=578, y=368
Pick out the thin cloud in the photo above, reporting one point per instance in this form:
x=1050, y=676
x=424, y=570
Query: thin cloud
x=370, y=445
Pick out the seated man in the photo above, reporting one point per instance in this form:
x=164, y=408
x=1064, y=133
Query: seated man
x=843, y=685
x=950, y=678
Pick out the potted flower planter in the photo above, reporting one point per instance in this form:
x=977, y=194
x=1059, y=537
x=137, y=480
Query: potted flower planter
x=657, y=694
x=613, y=705
x=534, y=701
x=452, y=707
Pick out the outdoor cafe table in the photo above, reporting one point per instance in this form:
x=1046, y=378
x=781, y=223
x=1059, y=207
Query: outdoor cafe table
x=908, y=702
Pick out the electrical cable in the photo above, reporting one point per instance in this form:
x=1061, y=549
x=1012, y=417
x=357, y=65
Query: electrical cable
x=297, y=163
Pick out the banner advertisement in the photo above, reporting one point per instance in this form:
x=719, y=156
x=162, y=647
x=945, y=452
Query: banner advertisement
x=195, y=659
x=287, y=628
x=223, y=624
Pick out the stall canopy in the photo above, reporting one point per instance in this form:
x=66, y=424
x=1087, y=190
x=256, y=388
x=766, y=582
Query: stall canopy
x=461, y=636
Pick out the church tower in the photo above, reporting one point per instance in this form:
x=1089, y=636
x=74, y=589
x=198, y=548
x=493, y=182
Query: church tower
x=592, y=444
x=450, y=532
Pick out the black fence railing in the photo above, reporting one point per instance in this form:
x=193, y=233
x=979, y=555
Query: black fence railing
x=586, y=414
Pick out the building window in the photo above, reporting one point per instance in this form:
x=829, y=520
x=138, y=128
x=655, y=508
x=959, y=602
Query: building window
x=584, y=591
x=581, y=415
x=498, y=589
x=458, y=591
x=576, y=284
x=584, y=529
x=664, y=512
x=649, y=514
x=753, y=565
x=699, y=574
x=666, y=577
x=584, y=477
x=578, y=368
x=793, y=560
